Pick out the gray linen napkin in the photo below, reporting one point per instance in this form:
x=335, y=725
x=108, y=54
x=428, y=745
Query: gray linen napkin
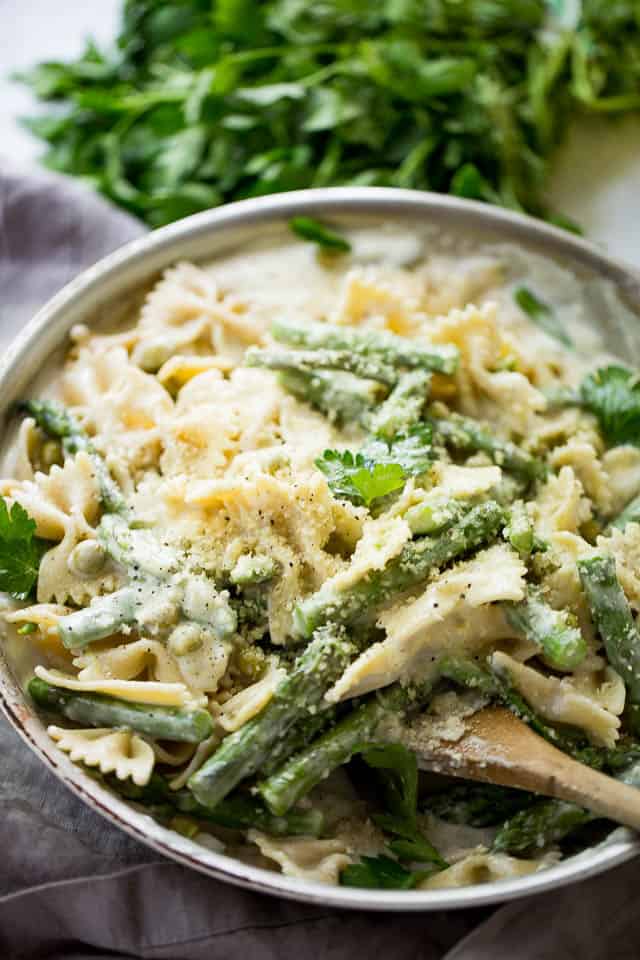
x=72, y=887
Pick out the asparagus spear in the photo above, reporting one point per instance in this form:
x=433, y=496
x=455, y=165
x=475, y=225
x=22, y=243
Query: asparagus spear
x=336, y=747
x=478, y=804
x=398, y=351
x=102, y=618
x=469, y=436
x=433, y=514
x=542, y=315
x=340, y=396
x=630, y=514
x=153, y=570
x=612, y=616
x=403, y=407
x=555, y=631
x=360, y=365
x=298, y=737
x=519, y=529
x=360, y=602
x=466, y=673
x=137, y=549
x=236, y=812
x=298, y=696
x=542, y=824
x=59, y=424
x=97, y=710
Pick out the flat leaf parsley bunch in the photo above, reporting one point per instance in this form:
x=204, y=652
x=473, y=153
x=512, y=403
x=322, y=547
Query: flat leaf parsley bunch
x=205, y=102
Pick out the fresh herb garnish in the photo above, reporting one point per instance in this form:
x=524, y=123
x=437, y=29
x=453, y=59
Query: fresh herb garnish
x=379, y=873
x=380, y=468
x=353, y=478
x=398, y=770
x=612, y=394
x=20, y=551
x=409, y=842
x=542, y=315
x=200, y=104
x=316, y=232
x=478, y=804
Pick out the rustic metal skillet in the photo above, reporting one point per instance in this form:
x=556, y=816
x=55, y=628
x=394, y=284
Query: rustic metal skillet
x=203, y=237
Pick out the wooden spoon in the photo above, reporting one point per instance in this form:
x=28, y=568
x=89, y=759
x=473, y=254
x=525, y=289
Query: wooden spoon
x=498, y=748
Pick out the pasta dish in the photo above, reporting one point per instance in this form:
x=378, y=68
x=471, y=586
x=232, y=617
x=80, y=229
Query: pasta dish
x=309, y=508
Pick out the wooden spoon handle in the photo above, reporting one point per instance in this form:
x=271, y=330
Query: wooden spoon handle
x=599, y=793
x=499, y=748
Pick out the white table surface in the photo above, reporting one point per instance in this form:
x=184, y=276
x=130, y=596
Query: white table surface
x=597, y=173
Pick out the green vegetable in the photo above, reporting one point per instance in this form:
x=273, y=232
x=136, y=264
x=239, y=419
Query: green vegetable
x=539, y=826
x=380, y=468
x=200, y=104
x=236, y=812
x=379, y=873
x=469, y=436
x=302, y=734
x=350, y=735
x=630, y=514
x=613, y=618
x=307, y=361
x=352, y=478
x=340, y=396
x=478, y=804
x=318, y=758
x=384, y=346
x=297, y=696
x=20, y=551
x=466, y=673
x=612, y=394
x=150, y=566
x=97, y=710
x=418, y=558
x=102, y=618
x=433, y=514
x=403, y=407
x=399, y=769
x=316, y=232
x=542, y=315
x=59, y=424
x=519, y=530
x=556, y=632
x=409, y=841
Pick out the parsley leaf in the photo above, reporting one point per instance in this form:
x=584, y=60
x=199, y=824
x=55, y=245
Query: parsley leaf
x=316, y=232
x=379, y=873
x=542, y=315
x=399, y=774
x=380, y=468
x=354, y=478
x=397, y=771
x=612, y=394
x=409, y=843
x=201, y=103
x=20, y=551
x=412, y=450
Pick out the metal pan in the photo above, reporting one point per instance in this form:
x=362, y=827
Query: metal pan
x=205, y=236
